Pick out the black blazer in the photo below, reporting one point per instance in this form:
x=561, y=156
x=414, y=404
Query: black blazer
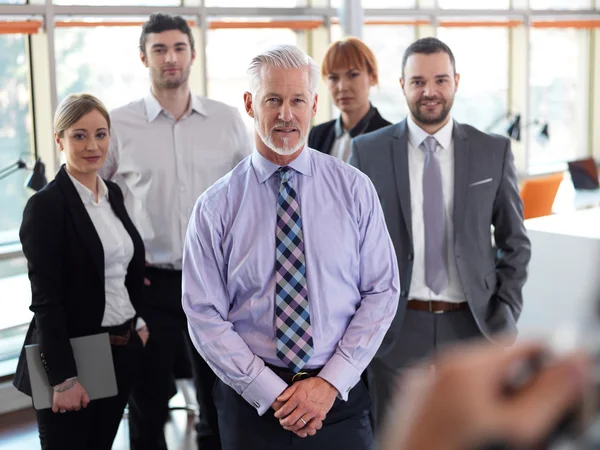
x=321, y=137
x=65, y=260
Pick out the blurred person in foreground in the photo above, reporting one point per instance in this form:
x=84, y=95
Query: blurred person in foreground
x=470, y=401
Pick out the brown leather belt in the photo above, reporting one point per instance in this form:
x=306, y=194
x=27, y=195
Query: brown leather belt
x=290, y=377
x=435, y=307
x=119, y=335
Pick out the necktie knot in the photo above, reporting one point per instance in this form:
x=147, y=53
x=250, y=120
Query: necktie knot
x=285, y=173
x=430, y=144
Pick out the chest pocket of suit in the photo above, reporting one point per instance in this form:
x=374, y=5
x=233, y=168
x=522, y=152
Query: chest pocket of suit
x=481, y=196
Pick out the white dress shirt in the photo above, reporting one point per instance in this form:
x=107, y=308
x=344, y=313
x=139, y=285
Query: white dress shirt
x=118, y=251
x=416, y=162
x=341, y=146
x=163, y=165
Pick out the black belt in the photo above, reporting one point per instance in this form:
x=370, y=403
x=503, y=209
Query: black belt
x=291, y=377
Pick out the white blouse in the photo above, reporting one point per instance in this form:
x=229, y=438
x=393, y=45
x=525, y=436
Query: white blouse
x=118, y=252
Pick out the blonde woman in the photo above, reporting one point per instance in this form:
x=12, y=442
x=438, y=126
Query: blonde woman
x=86, y=268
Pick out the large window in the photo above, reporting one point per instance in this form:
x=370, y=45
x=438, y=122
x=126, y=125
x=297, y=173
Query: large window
x=388, y=43
x=103, y=61
x=560, y=4
x=119, y=2
x=228, y=53
x=474, y=4
x=15, y=132
x=558, y=95
x=482, y=61
x=380, y=3
x=256, y=3
x=15, y=135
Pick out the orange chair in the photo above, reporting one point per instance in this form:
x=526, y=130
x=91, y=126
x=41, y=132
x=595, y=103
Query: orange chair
x=538, y=195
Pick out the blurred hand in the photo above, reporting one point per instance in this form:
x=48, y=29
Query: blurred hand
x=70, y=400
x=309, y=400
x=144, y=334
x=464, y=403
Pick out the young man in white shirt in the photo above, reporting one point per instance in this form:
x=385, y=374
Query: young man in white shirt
x=166, y=149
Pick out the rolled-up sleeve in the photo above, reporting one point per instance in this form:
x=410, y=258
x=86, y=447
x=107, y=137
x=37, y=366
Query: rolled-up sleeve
x=206, y=304
x=379, y=287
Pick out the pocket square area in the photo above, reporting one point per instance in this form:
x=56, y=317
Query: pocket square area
x=477, y=183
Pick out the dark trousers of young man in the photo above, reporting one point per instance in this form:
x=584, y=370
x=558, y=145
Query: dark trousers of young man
x=423, y=334
x=167, y=357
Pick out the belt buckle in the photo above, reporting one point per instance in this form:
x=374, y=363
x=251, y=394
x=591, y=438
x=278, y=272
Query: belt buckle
x=298, y=376
x=439, y=311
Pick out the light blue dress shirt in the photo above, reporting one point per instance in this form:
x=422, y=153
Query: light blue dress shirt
x=229, y=273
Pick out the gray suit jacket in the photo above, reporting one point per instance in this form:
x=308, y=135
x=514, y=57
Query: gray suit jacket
x=492, y=277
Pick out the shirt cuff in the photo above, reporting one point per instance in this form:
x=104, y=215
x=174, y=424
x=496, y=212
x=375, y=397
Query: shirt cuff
x=341, y=374
x=263, y=391
x=140, y=323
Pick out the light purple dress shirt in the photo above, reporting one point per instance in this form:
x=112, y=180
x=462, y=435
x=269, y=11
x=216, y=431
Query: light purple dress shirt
x=229, y=273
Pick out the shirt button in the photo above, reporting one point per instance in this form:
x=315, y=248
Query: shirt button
x=256, y=404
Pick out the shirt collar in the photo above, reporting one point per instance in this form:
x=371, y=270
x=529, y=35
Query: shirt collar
x=416, y=134
x=154, y=108
x=357, y=129
x=264, y=168
x=87, y=196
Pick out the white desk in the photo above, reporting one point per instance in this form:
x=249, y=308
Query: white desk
x=568, y=199
x=564, y=274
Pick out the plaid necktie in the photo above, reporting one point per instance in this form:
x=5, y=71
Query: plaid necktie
x=434, y=218
x=292, y=315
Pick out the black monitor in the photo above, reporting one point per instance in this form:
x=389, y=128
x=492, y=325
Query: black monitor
x=584, y=174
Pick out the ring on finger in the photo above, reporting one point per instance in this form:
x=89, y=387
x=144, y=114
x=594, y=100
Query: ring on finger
x=303, y=421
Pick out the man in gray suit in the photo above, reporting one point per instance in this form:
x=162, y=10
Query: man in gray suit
x=443, y=186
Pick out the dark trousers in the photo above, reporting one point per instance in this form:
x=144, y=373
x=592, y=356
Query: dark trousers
x=422, y=335
x=169, y=355
x=94, y=427
x=347, y=424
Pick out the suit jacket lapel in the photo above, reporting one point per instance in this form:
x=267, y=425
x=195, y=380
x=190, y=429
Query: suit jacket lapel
x=329, y=138
x=462, y=152
x=400, y=160
x=82, y=220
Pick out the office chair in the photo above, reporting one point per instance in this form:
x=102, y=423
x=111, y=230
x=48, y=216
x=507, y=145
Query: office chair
x=538, y=195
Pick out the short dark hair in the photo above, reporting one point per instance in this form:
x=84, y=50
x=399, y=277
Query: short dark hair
x=158, y=22
x=428, y=46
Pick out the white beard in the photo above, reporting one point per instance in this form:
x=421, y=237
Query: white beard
x=286, y=150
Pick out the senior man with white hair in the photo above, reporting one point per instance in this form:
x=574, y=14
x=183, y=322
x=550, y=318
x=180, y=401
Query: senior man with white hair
x=290, y=279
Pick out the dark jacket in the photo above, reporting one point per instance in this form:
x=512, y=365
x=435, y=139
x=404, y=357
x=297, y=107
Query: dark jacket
x=65, y=260
x=321, y=137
